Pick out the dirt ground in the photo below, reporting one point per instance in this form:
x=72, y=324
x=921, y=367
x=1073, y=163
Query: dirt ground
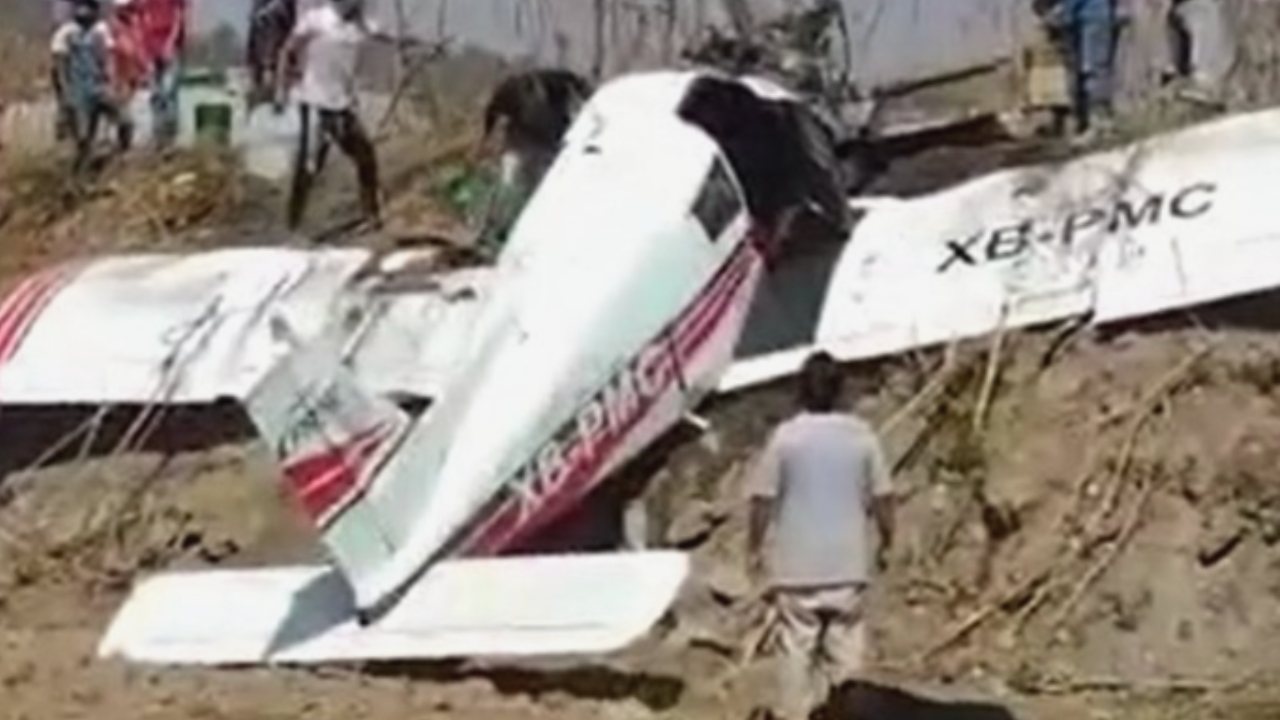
x=1103, y=544
x=1108, y=524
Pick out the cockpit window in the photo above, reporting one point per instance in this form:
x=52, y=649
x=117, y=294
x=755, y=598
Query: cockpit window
x=718, y=203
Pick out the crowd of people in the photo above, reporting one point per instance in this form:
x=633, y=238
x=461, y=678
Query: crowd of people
x=103, y=57
x=107, y=52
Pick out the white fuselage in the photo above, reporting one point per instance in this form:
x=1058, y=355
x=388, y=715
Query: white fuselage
x=617, y=305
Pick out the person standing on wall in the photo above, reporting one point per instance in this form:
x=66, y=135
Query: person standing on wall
x=1202, y=51
x=819, y=485
x=1092, y=31
x=328, y=38
x=1088, y=29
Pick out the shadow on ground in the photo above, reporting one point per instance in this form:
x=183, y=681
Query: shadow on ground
x=592, y=682
x=44, y=436
x=865, y=701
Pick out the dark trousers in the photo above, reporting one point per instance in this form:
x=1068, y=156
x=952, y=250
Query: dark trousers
x=85, y=116
x=342, y=128
x=1092, y=26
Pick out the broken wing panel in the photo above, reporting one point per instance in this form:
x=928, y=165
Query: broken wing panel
x=411, y=339
x=1175, y=221
x=163, y=328
x=1211, y=229
x=187, y=329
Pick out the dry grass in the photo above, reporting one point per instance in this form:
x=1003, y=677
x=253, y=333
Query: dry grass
x=139, y=202
x=26, y=68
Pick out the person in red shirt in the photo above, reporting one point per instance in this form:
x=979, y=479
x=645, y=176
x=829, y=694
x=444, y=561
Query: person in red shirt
x=163, y=26
x=128, y=54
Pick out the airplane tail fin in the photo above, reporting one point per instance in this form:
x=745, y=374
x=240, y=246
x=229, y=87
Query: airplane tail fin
x=331, y=438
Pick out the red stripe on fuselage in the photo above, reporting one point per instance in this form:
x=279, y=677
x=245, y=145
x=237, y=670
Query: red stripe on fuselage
x=327, y=481
x=512, y=521
x=16, y=304
x=693, y=331
x=22, y=307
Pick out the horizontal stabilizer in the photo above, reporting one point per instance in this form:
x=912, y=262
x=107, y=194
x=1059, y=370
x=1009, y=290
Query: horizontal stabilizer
x=522, y=606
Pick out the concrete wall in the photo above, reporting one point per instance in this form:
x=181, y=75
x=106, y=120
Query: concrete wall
x=890, y=40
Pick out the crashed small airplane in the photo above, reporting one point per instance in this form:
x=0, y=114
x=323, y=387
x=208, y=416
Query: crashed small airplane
x=690, y=238
x=613, y=310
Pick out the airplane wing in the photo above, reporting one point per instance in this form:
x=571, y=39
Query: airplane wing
x=188, y=329
x=1172, y=222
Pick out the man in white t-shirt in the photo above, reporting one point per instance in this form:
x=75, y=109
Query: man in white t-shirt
x=821, y=485
x=328, y=37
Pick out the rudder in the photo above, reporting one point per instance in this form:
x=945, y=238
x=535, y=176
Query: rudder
x=331, y=438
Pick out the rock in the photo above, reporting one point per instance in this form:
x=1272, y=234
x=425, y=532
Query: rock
x=939, y=499
x=703, y=623
x=1000, y=520
x=1063, y=637
x=728, y=585
x=23, y=674
x=1268, y=522
x=218, y=552
x=1129, y=611
x=1217, y=541
x=713, y=644
x=712, y=443
x=1006, y=641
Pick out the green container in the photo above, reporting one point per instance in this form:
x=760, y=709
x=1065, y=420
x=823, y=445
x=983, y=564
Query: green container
x=213, y=123
x=468, y=190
